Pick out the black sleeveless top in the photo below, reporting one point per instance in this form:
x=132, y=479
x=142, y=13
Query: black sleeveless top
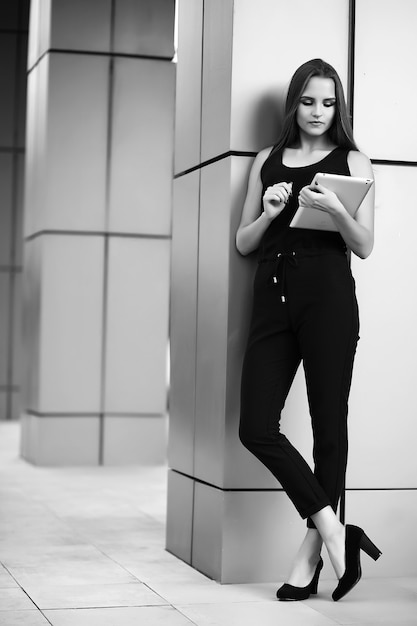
x=279, y=237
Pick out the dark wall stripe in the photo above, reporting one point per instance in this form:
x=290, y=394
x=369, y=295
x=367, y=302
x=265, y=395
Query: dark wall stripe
x=241, y=153
x=256, y=490
x=13, y=31
x=351, y=57
x=11, y=150
x=110, y=97
x=92, y=53
x=220, y=157
x=82, y=414
x=93, y=233
x=394, y=162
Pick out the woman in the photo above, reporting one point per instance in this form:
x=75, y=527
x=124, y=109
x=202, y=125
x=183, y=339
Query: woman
x=305, y=310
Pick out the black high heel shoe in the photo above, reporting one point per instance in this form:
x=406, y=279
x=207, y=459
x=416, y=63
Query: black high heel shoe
x=289, y=592
x=356, y=540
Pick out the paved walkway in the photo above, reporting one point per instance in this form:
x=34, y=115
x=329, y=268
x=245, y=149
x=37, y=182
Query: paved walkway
x=85, y=547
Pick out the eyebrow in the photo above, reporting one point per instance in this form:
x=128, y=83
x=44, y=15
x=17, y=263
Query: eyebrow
x=324, y=99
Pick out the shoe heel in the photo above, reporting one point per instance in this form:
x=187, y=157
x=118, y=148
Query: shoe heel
x=369, y=547
x=315, y=582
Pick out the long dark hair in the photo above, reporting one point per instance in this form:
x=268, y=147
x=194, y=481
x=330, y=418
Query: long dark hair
x=340, y=132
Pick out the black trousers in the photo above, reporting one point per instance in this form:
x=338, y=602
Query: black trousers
x=317, y=324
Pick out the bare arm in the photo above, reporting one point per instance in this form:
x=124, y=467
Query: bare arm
x=357, y=232
x=252, y=224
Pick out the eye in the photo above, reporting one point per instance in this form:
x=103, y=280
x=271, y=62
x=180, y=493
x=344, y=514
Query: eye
x=329, y=103
x=306, y=101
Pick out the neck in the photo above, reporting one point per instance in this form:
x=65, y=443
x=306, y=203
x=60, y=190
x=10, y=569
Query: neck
x=311, y=144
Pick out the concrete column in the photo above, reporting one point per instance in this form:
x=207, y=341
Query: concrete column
x=227, y=516
x=97, y=230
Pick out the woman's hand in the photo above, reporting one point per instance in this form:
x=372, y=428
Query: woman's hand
x=275, y=198
x=319, y=197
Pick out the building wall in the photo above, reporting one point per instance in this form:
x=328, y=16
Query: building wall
x=226, y=514
x=14, y=17
x=382, y=471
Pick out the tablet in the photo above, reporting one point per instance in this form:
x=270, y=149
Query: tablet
x=350, y=190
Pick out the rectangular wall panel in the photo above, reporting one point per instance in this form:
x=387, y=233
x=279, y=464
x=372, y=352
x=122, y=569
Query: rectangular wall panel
x=242, y=107
x=144, y=28
x=217, y=70
x=212, y=320
x=9, y=12
x=183, y=321
x=142, y=146
x=261, y=73
x=31, y=313
x=74, y=178
x=390, y=518
x=6, y=208
x=385, y=89
x=18, y=355
x=70, y=324
x=137, y=325
x=80, y=25
x=18, y=215
x=180, y=506
x=37, y=82
x=383, y=405
x=60, y=440
x=67, y=144
x=21, y=94
x=134, y=440
x=8, y=49
x=188, y=84
x=4, y=326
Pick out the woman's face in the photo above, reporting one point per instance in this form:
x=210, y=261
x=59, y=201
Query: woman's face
x=317, y=106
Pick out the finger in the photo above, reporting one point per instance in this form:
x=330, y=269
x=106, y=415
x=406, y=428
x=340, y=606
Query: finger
x=317, y=188
x=281, y=194
x=273, y=199
x=305, y=195
x=309, y=194
x=283, y=187
x=287, y=187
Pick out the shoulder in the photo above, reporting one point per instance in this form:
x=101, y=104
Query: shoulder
x=259, y=161
x=359, y=164
x=262, y=156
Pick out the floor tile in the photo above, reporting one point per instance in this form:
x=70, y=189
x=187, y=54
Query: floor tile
x=93, y=596
x=407, y=583
x=71, y=573
x=251, y=613
x=210, y=592
x=14, y=600
x=33, y=555
x=6, y=580
x=379, y=601
x=22, y=618
x=146, y=616
x=157, y=565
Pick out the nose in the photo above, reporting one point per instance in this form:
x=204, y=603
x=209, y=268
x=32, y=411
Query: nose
x=318, y=110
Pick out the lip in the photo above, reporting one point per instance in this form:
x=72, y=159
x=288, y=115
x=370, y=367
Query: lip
x=316, y=123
